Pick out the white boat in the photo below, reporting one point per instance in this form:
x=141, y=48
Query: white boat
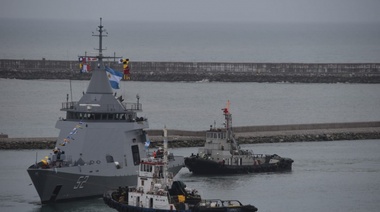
x=157, y=192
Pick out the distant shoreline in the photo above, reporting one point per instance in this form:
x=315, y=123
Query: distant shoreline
x=201, y=71
x=244, y=135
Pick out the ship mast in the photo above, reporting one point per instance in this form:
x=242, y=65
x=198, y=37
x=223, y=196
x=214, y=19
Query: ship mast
x=100, y=35
x=99, y=83
x=100, y=56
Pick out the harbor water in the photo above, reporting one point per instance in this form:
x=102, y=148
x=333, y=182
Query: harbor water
x=30, y=108
x=326, y=176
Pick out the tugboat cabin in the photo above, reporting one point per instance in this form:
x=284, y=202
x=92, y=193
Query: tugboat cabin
x=151, y=191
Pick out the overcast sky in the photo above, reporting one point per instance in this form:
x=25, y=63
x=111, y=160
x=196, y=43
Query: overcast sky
x=196, y=10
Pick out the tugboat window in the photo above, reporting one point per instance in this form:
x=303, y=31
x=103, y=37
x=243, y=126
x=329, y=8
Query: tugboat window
x=109, y=159
x=135, y=155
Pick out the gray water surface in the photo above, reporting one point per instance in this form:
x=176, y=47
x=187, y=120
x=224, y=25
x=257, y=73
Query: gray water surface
x=30, y=108
x=326, y=176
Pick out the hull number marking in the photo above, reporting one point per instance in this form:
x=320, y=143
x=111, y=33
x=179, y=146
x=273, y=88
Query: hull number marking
x=81, y=181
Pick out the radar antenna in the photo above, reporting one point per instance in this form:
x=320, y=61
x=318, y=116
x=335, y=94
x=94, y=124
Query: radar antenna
x=100, y=56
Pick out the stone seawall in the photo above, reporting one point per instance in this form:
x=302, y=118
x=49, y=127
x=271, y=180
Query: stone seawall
x=198, y=71
x=244, y=135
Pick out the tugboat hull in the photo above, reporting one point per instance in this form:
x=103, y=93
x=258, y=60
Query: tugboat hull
x=201, y=206
x=198, y=165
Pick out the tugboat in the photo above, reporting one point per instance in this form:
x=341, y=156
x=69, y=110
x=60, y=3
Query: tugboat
x=157, y=192
x=222, y=154
x=100, y=144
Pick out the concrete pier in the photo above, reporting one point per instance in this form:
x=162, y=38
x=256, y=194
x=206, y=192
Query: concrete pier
x=244, y=135
x=198, y=71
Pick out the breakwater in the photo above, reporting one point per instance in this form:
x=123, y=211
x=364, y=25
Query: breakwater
x=198, y=71
x=244, y=135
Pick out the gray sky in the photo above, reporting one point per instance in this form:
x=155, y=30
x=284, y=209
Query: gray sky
x=196, y=10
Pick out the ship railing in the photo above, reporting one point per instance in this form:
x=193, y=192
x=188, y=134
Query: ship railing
x=128, y=106
x=69, y=105
x=132, y=106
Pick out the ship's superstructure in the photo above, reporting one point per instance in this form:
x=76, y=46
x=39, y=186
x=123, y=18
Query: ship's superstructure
x=100, y=144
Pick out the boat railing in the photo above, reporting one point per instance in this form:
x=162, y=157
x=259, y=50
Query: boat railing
x=259, y=155
x=217, y=203
x=231, y=203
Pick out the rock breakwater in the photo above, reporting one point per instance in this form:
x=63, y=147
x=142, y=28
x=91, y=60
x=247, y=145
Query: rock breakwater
x=195, y=140
x=202, y=71
x=28, y=143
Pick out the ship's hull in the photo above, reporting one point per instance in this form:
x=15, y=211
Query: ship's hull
x=58, y=184
x=198, y=165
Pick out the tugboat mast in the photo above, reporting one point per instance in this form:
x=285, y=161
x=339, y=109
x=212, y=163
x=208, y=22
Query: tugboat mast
x=228, y=123
x=228, y=120
x=165, y=171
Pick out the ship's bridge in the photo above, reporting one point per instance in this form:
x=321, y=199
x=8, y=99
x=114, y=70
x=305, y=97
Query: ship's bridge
x=127, y=106
x=151, y=168
x=124, y=111
x=215, y=134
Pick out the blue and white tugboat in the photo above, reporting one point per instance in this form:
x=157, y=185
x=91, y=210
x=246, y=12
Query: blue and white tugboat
x=157, y=192
x=100, y=145
x=222, y=154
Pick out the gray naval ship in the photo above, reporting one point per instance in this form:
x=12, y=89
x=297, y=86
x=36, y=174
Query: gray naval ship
x=100, y=145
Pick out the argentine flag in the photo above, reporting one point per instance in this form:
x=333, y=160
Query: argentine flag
x=114, y=77
x=147, y=143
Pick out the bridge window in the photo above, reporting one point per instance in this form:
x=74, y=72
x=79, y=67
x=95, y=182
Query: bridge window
x=146, y=168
